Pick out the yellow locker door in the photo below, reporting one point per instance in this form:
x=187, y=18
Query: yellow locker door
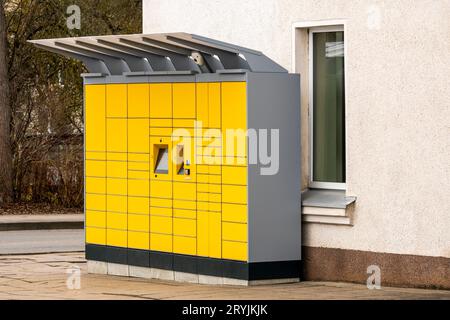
x=116, y=140
x=234, y=119
x=214, y=105
x=203, y=233
x=138, y=100
x=215, y=235
x=116, y=100
x=161, y=100
x=234, y=105
x=138, y=136
x=202, y=106
x=95, y=168
x=184, y=100
x=234, y=175
x=95, y=126
x=233, y=250
x=96, y=236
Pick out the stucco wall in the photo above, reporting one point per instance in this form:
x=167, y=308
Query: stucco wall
x=398, y=114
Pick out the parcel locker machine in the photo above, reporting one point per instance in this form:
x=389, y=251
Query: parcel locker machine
x=192, y=159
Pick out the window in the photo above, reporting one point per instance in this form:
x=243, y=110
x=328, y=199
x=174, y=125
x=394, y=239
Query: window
x=327, y=107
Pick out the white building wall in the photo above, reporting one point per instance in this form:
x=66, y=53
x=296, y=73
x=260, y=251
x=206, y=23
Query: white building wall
x=398, y=106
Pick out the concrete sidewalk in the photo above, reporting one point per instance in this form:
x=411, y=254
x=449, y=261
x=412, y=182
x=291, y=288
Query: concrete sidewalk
x=45, y=277
x=41, y=222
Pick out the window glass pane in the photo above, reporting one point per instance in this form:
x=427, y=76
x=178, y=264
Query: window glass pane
x=329, y=107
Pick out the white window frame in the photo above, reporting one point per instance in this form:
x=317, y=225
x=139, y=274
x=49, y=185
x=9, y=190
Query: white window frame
x=311, y=31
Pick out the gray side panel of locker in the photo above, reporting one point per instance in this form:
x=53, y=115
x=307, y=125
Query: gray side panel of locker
x=274, y=201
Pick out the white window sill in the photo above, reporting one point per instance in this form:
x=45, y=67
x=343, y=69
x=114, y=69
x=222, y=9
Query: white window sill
x=325, y=206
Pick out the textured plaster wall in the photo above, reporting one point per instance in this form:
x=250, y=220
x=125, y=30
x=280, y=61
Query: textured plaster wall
x=398, y=106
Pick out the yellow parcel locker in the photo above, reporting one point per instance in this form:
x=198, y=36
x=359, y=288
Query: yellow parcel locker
x=144, y=193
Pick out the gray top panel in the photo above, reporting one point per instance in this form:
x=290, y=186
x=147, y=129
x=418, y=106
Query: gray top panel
x=162, y=77
x=183, y=52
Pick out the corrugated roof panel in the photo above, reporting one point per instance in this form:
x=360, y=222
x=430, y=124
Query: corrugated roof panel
x=119, y=54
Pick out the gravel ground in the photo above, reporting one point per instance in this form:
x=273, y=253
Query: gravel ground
x=36, y=208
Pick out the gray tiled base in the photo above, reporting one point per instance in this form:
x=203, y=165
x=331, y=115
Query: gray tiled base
x=98, y=267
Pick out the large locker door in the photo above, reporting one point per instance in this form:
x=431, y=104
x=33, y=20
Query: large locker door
x=116, y=165
x=95, y=165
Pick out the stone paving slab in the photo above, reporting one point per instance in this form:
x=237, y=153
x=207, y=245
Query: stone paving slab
x=44, y=277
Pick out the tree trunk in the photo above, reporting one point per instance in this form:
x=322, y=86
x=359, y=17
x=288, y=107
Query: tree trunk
x=6, y=191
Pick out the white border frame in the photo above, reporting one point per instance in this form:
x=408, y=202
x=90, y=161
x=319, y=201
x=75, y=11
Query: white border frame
x=316, y=27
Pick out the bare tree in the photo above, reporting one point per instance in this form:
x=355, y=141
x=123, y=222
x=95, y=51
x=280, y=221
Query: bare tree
x=5, y=116
x=45, y=95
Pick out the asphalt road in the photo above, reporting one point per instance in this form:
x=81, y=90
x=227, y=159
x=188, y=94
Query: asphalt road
x=41, y=241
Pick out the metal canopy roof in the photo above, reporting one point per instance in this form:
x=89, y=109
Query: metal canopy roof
x=166, y=52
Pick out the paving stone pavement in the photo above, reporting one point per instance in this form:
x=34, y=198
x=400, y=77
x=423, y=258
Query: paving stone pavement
x=44, y=277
